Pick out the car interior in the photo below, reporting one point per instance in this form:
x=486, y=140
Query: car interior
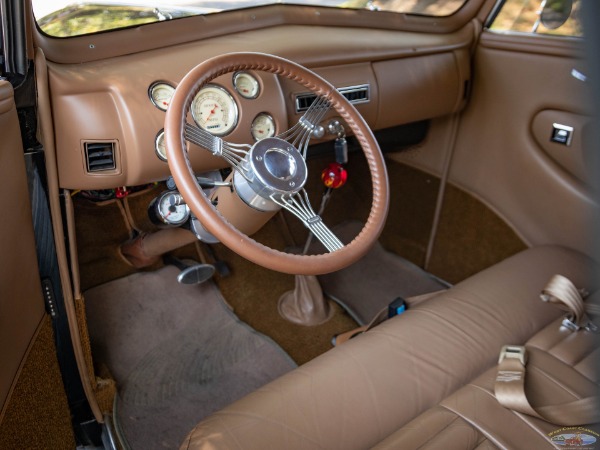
x=302, y=225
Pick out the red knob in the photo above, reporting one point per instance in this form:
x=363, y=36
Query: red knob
x=334, y=176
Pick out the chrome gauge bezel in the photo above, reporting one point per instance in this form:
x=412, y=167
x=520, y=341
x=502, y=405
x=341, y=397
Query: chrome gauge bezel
x=159, y=143
x=227, y=97
x=256, y=85
x=166, y=220
x=259, y=116
x=152, y=90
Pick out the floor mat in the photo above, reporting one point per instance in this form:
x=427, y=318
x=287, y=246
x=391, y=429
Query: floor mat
x=372, y=283
x=177, y=354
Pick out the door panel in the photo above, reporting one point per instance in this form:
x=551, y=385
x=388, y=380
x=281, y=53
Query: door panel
x=570, y=155
x=503, y=154
x=21, y=295
x=34, y=411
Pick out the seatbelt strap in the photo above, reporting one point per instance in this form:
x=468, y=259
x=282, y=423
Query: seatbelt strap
x=510, y=393
x=560, y=291
x=510, y=381
x=383, y=315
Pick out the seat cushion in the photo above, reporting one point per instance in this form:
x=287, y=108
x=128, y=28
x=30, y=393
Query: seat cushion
x=358, y=394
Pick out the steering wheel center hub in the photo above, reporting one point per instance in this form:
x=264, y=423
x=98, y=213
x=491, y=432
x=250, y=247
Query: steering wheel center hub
x=277, y=165
x=280, y=164
x=274, y=168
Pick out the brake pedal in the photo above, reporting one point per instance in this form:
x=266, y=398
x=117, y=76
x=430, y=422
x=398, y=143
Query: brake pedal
x=190, y=273
x=196, y=274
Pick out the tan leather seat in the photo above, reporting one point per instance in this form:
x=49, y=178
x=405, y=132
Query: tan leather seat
x=563, y=366
x=364, y=392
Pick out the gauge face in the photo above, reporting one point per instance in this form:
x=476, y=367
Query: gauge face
x=159, y=145
x=246, y=85
x=263, y=126
x=161, y=94
x=171, y=209
x=215, y=110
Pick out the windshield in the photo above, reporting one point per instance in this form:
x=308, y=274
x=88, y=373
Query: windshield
x=63, y=18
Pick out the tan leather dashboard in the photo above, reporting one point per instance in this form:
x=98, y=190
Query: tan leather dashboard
x=411, y=77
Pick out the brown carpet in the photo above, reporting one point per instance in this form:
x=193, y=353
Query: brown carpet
x=37, y=415
x=372, y=283
x=254, y=291
x=177, y=353
x=470, y=238
x=101, y=228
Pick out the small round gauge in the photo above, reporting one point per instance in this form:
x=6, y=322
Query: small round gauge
x=246, y=85
x=214, y=110
x=161, y=94
x=159, y=145
x=263, y=126
x=170, y=209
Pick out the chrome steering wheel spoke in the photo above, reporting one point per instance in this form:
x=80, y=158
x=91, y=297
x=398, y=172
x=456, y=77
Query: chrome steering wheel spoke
x=301, y=133
x=299, y=205
x=271, y=174
x=234, y=154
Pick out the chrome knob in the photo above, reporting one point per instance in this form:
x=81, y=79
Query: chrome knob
x=318, y=132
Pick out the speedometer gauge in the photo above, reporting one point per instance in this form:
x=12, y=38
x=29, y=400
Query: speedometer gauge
x=161, y=94
x=215, y=110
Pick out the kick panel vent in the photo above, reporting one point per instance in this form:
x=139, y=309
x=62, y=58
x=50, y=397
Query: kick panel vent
x=100, y=156
x=354, y=94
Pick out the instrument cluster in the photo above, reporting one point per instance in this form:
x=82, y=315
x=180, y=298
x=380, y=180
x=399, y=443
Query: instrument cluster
x=215, y=109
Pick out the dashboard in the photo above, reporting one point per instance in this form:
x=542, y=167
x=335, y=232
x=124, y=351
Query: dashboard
x=109, y=114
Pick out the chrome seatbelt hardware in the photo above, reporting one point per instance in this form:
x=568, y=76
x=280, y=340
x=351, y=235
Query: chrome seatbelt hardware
x=511, y=365
x=515, y=352
x=560, y=291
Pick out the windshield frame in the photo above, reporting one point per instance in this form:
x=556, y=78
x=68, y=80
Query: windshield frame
x=123, y=41
x=69, y=18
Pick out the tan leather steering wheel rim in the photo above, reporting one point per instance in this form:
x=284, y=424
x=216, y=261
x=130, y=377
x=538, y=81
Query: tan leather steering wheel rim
x=215, y=223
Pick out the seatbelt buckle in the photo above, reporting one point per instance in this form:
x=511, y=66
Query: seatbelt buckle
x=397, y=307
x=514, y=352
x=569, y=324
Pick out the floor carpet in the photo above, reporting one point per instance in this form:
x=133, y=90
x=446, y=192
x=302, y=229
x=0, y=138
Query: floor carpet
x=177, y=353
x=373, y=282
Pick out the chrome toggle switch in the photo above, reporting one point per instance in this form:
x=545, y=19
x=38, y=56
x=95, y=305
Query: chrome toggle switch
x=561, y=134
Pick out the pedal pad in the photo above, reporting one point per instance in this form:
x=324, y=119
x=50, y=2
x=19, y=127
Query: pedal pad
x=196, y=274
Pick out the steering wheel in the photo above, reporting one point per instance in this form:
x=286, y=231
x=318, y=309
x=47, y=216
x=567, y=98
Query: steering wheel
x=271, y=173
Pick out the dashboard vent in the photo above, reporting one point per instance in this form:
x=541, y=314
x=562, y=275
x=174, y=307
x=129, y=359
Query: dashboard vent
x=354, y=94
x=100, y=156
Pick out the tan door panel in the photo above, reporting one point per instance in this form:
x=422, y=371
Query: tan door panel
x=498, y=155
x=21, y=303
x=569, y=155
x=34, y=412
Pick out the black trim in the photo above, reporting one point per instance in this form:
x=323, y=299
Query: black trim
x=12, y=32
x=495, y=11
x=394, y=139
x=87, y=430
